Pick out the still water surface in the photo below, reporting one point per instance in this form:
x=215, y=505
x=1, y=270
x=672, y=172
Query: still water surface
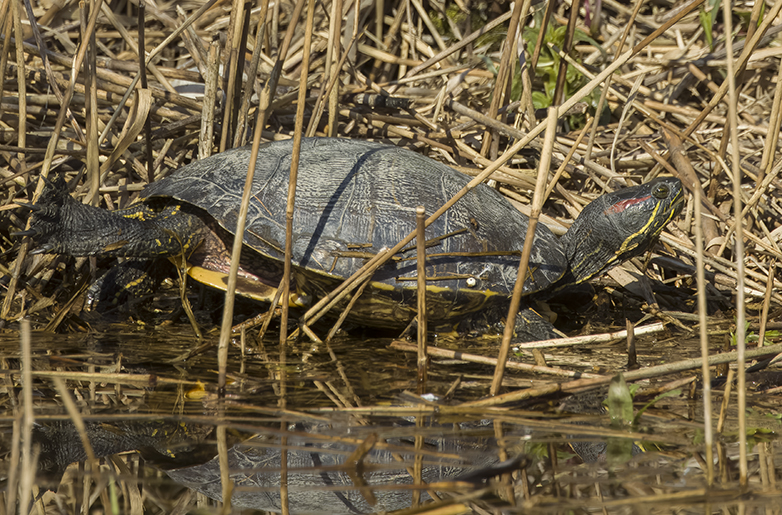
x=358, y=439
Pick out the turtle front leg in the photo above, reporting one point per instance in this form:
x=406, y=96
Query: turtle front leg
x=60, y=224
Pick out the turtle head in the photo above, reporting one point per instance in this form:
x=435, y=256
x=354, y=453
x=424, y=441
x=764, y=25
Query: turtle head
x=620, y=225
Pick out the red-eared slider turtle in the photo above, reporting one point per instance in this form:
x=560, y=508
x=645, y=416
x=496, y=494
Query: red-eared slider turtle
x=321, y=469
x=353, y=199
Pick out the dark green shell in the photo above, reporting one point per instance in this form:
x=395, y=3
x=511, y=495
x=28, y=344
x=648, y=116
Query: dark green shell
x=354, y=198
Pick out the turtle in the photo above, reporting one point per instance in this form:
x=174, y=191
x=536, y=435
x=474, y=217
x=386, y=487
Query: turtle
x=322, y=471
x=354, y=198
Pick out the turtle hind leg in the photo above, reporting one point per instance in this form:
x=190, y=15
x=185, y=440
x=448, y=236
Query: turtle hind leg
x=61, y=224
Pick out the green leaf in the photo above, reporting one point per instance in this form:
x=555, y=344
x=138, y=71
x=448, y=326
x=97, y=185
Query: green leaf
x=540, y=100
x=706, y=24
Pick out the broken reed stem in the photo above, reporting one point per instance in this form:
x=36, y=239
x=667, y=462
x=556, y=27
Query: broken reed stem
x=725, y=401
x=240, y=71
x=632, y=356
x=236, y=250
x=21, y=83
x=334, y=61
x=411, y=74
x=768, y=161
x=708, y=435
x=541, y=36
x=230, y=66
x=529, y=240
x=206, y=135
x=45, y=59
x=270, y=88
x=6, y=24
x=774, y=122
x=240, y=138
x=27, y=469
x=591, y=339
x=298, y=134
x=289, y=212
x=739, y=239
x=561, y=169
x=766, y=303
x=93, y=130
x=329, y=92
x=143, y=73
x=420, y=245
x=230, y=293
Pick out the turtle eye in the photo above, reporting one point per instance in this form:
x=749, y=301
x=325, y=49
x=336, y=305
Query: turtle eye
x=660, y=191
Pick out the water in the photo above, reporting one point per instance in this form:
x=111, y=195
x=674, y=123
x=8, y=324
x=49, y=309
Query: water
x=162, y=411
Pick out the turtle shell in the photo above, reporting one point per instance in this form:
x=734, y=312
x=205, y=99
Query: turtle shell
x=354, y=198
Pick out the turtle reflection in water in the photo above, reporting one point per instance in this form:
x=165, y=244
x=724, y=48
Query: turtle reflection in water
x=354, y=198
x=320, y=477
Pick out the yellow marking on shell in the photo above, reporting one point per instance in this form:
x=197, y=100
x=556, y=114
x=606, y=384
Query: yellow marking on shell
x=430, y=288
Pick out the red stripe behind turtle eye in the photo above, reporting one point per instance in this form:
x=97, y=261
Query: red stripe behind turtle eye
x=624, y=204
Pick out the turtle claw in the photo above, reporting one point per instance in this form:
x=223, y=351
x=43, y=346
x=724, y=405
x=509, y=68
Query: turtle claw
x=32, y=207
x=28, y=232
x=43, y=249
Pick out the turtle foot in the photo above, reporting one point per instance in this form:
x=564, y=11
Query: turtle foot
x=531, y=327
x=48, y=225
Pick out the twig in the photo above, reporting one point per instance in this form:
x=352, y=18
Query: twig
x=474, y=358
x=529, y=242
x=420, y=244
